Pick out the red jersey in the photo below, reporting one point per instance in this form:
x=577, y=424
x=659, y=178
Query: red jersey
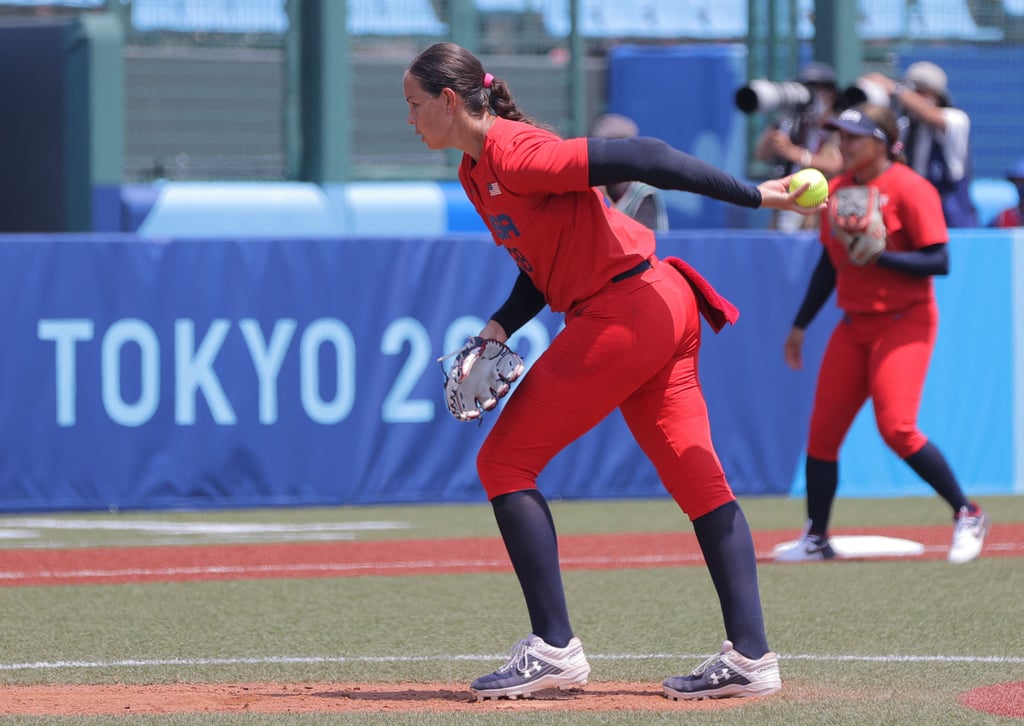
x=1008, y=218
x=531, y=189
x=913, y=217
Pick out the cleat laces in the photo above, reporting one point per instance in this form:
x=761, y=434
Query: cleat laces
x=517, y=658
x=705, y=665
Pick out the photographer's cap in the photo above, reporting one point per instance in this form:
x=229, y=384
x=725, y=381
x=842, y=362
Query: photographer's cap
x=817, y=73
x=930, y=77
x=857, y=123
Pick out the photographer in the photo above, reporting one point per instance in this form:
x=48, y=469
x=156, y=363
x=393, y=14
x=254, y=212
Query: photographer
x=936, y=136
x=798, y=139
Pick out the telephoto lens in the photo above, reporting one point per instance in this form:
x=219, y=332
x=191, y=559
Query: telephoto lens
x=762, y=96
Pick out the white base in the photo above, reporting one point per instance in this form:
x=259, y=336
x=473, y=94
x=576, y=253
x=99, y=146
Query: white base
x=869, y=545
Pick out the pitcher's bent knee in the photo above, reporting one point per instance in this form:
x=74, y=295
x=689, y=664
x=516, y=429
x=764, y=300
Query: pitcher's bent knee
x=500, y=476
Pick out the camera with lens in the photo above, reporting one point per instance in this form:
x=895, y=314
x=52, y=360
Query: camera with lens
x=863, y=91
x=792, y=103
x=763, y=96
x=798, y=107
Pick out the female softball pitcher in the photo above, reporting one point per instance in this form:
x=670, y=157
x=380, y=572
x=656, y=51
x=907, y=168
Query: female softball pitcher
x=630, y=341
x=882, y=346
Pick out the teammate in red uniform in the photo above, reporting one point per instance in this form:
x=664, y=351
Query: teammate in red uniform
x=881, y=348
x=630, y=342
x=1013, y=216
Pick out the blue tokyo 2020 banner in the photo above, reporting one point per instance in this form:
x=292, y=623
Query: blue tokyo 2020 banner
x=258, y=372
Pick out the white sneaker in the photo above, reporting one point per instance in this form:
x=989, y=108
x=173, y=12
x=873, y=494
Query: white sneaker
x=968, y=535
x=533, y=665
x=809, y=548
x=727, y=675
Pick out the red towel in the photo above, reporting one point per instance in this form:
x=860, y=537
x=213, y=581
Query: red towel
x=716, y=309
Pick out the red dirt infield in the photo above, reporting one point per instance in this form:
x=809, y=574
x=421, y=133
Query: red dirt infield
x=23, y=567
x=34, y=567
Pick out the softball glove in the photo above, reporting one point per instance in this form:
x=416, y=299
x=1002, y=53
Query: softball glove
x=857, y=222
x=481, y=374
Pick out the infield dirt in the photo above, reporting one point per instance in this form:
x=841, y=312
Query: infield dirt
x=152, y=564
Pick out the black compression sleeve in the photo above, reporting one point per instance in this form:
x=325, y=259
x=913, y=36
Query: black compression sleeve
x=931, y=260
x=823, y=282
x=523, y=303
x=658, y=164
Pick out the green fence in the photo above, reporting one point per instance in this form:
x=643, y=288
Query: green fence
x=226, y=90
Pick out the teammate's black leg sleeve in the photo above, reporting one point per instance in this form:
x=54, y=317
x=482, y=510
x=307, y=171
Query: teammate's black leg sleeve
x=822, y=482
x=724, y=538
x=528, y=530
x=930, y=465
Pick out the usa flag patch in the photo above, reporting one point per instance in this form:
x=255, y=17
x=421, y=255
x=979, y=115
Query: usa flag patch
x=493, y=189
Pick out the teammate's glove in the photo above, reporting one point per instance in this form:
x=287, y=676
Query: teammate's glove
x=857, y=222
x=482, y=373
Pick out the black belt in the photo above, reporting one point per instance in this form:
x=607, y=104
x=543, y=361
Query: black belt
x=642, y=267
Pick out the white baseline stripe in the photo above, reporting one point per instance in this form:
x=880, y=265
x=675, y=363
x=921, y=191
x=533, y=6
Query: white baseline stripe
x=203, y=528
x=331, y=567
x=314, y=660
x=244, y=569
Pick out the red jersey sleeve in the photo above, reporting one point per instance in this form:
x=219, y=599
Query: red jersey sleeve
x=539, y=162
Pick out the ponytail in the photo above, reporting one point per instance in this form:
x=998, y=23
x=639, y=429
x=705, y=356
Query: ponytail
x=501, y=103
x=447, y=65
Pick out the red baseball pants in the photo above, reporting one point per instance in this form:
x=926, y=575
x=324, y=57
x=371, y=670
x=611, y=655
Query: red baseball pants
x=884, y=357
x=633, y=346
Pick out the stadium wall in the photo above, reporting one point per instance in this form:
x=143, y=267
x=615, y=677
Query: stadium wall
x=198, y=372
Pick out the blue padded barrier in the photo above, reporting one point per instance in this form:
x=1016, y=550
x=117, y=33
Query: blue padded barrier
x=276, y=209
x=390, y=208
x=205, y=209
x=198, y=372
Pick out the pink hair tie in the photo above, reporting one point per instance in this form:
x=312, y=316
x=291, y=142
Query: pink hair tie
x=488, y=79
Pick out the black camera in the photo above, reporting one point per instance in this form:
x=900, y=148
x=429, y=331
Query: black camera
x=762, y=96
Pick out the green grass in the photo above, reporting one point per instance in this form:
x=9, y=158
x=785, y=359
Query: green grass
x=883, y=642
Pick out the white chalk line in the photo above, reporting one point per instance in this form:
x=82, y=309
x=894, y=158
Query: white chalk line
x=339, y=567
x=33, y=532
x=339, y=660
x=204, y=528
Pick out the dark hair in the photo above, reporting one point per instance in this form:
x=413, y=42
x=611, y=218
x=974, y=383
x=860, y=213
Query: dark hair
x=447, y=65
x=886, y=120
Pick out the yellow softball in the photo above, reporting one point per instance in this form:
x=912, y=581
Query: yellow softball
x=816, y=193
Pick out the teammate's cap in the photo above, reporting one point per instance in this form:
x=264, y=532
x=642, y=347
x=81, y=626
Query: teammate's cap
x=857, y=123
x=930, y=77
